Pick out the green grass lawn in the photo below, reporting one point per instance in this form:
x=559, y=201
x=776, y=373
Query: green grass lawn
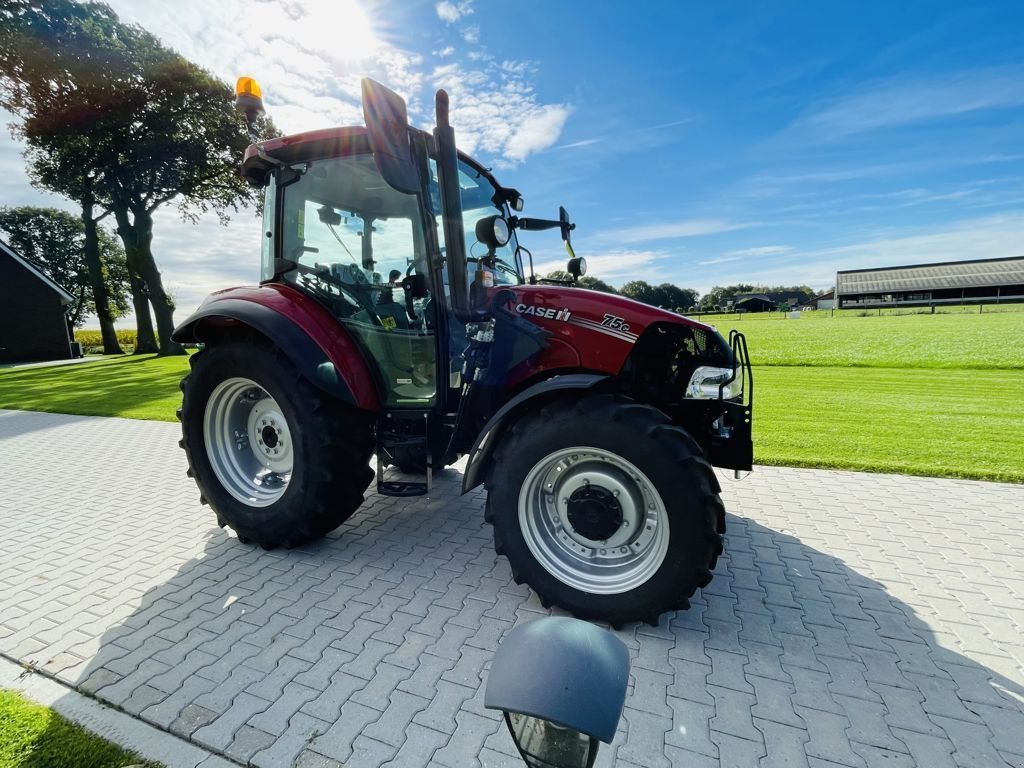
x=917, y=394
x=905, y=341
x=956, y=423
x=32, y=736
x=143, y=387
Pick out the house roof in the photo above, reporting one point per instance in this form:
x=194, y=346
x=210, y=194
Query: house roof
x=979, y=273
x=754, y=297
x=65, y=297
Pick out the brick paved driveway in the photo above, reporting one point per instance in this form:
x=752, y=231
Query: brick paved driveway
x=856, y=620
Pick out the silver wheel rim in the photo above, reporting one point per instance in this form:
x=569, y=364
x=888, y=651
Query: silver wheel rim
x=623, y=561
x=248, y=442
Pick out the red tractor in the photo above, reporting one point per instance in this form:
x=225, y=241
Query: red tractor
x=394, y=318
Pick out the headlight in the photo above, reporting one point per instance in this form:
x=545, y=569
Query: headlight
x=492, y=231
x=706, y=380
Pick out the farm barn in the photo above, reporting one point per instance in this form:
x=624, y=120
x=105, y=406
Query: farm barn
x=33, y=325
x=982, y=281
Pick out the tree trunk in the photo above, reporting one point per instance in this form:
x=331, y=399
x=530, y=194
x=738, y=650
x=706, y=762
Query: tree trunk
x=163, y=304
x=99, y=287
x=145, y=338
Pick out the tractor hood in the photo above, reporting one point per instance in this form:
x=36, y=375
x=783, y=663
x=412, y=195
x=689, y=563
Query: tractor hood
x=597, y=332
x=608, y=311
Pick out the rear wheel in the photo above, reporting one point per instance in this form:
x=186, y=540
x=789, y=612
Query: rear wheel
x=606, y=509
x=278, y=460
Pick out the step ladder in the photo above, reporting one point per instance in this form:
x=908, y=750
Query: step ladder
x=402, y=488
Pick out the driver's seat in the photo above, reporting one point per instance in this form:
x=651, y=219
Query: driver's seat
x=388, y=309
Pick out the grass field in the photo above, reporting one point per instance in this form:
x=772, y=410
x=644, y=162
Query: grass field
x=918, y=394
x=908, y=341
x=32, y=736
x=143, y=387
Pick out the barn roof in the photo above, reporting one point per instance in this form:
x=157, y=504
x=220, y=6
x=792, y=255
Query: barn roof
x=65, y=297
x=980, y=273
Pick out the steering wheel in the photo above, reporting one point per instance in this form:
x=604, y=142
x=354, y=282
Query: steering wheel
x=358, y=297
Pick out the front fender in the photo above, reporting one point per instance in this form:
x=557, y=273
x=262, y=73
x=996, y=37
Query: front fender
x=479, y=460
x=303, y=330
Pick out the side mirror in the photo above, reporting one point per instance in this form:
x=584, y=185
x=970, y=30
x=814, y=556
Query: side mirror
x=565, y=225
x=561, y=684
x=387, y=123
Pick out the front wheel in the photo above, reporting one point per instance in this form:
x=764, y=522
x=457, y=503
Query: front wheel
x=279, y=461
x=606, y=509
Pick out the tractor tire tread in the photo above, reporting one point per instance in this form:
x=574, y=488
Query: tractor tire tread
x=340, y=471
x=700, y=533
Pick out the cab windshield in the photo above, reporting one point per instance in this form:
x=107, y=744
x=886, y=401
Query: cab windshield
x=349, y=239
x=478, y=201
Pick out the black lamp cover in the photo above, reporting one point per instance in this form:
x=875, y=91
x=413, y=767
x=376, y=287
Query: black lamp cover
x=565, y=671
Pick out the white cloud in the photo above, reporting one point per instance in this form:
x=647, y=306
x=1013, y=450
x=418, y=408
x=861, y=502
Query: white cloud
x=445, y=52
x=719, y=260
x=905, y=100
x=577, y=144
x=761, y=250
x=471, y=34
x=614, y=266
x=496, y=111
x=669, y=230
x=450, y=12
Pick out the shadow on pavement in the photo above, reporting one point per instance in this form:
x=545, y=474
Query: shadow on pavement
x=373, y=645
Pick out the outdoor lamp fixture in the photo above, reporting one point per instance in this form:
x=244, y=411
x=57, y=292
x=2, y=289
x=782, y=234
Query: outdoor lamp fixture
x=561, y=684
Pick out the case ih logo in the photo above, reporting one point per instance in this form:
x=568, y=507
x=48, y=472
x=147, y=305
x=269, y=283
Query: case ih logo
x=549, y=313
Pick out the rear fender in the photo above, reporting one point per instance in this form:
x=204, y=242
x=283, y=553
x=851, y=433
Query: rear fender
x=312, y=339
x=481, y=454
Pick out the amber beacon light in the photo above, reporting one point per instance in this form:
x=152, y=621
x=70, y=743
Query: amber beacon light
x=249, y=99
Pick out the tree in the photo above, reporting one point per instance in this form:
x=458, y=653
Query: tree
x=639, y=291
x=591, y=283
x=113, y=119
x=719, y=297
x=54, y=241
x=672, y=296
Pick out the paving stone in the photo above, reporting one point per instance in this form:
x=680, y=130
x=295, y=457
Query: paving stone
x=337, y=742
x=828, y=739
x=465, y=744
x=192, y=718
x=285, y=748
x=369, y=752
x=784, y=744
x=691, y=727
x=276, y=718
x=736, y=752
x=247, y=742
x=972, y=742
x=927, y=750
x=420, y=744
x=883, y=629
x=446, y=702
x=220, y=733
x=309, y=759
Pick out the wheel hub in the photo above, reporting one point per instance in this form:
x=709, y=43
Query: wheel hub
x=593, y=520
x=594, y=512
x=248, y=442
x=269, y=437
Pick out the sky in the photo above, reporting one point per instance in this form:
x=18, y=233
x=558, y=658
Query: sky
x=696, y=143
